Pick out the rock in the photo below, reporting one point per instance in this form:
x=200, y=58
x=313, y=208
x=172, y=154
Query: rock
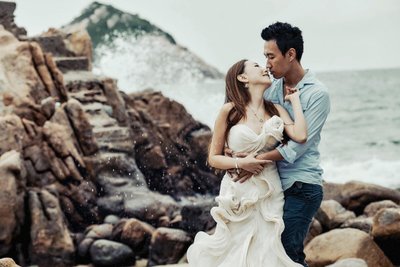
x=8, y=262
x=102, y=231
x=110, y=253
x=40, y=64
x=331, y=214
x=111, y=204
x=373, y=208
x=149, y=206
x=12, y=192
x=81, y=126
x=196, y=216
x=135, y=234
x=361, y=222
x=352, y=262
x=48, y=107
x=51, y=243
x=84, y=247
x=12, y=134
x=168, y=246
x=355, y=196
x=111, y=219
x=315, y=230
x=79, y=204
x=339, y=244
x=386, y=232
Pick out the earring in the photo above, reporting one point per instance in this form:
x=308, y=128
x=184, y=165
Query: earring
x=246, y=85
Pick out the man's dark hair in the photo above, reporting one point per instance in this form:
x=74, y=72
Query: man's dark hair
x=286, y=37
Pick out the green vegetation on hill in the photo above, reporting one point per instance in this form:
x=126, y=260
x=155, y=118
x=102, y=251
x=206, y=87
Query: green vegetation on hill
x=107, y=22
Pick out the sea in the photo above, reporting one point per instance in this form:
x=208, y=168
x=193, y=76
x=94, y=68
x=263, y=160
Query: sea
x=360, y=140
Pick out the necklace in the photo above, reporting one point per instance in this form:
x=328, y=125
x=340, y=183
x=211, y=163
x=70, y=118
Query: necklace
x=255, y=114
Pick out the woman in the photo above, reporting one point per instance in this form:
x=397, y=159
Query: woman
x=249, y=214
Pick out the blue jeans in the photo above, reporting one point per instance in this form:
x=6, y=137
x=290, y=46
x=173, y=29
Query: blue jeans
x=302, y=201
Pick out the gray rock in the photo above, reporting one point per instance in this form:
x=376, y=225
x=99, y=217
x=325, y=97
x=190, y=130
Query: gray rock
x=110, y=253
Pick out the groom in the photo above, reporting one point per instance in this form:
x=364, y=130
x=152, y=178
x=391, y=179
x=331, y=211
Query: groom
x=298, y=164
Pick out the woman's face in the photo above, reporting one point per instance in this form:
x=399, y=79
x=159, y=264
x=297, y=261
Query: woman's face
x=256, y=74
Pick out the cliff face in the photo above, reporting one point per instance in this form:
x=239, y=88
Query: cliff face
x=75, y=150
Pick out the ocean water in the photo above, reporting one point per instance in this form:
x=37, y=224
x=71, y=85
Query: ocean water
x=360, y=140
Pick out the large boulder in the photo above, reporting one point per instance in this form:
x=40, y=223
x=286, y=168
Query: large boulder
x=339, y=244
x=386, y=232
x=355, y=196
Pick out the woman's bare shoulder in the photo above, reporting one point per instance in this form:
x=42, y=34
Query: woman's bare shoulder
x=227, y=107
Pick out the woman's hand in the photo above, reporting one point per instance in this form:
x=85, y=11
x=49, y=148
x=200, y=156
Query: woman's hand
x=251, y=164
x=291, y=94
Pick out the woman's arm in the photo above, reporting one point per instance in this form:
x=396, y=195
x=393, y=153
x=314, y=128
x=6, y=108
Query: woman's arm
x=216, y=158
x=297, y=130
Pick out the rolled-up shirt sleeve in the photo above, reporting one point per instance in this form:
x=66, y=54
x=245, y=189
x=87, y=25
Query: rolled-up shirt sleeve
x=315, y=116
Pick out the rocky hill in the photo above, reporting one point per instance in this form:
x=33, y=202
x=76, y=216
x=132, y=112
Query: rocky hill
x=154, y=56
x=104, y=23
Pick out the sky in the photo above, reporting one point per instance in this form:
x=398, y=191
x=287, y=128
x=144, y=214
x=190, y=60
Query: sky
x=338, y=35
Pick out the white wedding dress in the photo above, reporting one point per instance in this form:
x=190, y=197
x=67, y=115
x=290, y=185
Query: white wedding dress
x=249, y=215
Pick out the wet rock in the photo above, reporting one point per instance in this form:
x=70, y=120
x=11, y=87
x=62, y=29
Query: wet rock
x=168, y=246
x=196, y=216
x=110, y=253
x=337, y=244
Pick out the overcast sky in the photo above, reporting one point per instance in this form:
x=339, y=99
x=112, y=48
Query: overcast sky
x=338, y=35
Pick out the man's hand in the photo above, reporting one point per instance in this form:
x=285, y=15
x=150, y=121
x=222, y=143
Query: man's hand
x=243, y=176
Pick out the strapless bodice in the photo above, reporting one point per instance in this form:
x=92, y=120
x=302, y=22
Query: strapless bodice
x=242, y=138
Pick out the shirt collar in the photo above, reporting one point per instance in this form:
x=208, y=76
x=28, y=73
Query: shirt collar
x=308, y=78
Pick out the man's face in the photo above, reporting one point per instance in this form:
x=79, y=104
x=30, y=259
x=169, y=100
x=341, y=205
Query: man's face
x=277, y=63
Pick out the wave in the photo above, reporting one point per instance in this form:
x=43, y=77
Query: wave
x=148, y=61
x=376, y=171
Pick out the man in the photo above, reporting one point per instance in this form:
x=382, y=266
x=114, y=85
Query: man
x=298, y=164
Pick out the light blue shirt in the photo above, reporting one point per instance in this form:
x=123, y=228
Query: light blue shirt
x=301, y=161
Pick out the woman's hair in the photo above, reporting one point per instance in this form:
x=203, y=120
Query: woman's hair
x=239, y=95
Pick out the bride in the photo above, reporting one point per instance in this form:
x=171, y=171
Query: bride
x=249, y=214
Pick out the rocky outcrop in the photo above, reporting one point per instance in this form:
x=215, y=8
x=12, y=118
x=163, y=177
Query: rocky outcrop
x=7, y=19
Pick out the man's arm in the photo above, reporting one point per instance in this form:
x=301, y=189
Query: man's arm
x=315, y=117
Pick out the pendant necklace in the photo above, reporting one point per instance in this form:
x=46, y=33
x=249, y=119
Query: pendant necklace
x=255, y=114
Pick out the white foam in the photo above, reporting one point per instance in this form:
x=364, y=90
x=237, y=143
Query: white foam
x=375, y=171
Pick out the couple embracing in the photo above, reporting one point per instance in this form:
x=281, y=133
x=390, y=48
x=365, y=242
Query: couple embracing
x=266, y=136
